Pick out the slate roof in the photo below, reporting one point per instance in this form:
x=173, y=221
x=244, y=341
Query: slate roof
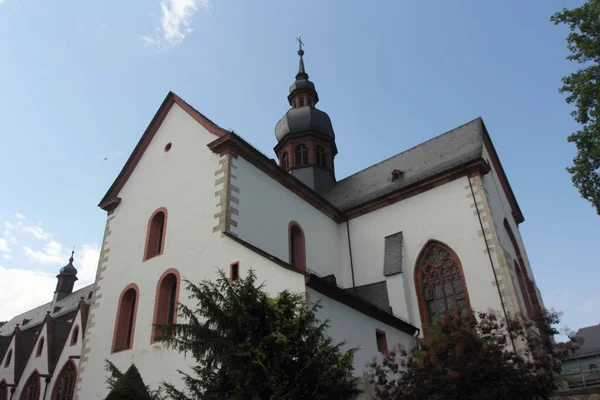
x=24, y=343
x=591, y=341
x=4, y=343
x=36, y=316
x=374, y=293
x=442, y=153
x=60, y=331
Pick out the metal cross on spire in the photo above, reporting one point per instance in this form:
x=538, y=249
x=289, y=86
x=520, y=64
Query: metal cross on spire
x=299, y=39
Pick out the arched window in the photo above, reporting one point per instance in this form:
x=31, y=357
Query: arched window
x=40, y=347
x=285, y=161
x=3, y=390
x=321, y=157
x=125, y=320
x=439, y=282
x=75, y=335
x=155, y=237
x=31, y=390
x=165, y=304
x=65, y=383
x=8, y=357
x=301, y=155
x=297, y=247
x=523, y=289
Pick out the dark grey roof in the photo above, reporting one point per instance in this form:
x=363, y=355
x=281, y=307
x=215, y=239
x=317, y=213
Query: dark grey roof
x=303, y=119
x=36, y=316
x=451, y=149
x=590, y=341
x=302, y=84
x=374, y=293
x=69, y=269
x=4, y=343
x=24, y=343
x=60, y=332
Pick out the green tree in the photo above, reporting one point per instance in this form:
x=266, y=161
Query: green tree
x=583, y=88
x=248, y=345
x=128, y=385
x=471, y=358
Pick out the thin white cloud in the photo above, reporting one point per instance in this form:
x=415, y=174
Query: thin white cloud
x=7, y=256
x=175, y=22
x=19, y=216
x=51, y=254
x=4, y=246
x=37, y=232
x=22, y=290
x=9, y=228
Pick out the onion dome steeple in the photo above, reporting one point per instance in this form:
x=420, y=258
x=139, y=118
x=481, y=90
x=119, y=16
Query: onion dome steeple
x=67, y=276
x=305, y=134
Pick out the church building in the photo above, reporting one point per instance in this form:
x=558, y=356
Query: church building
x=432, y=229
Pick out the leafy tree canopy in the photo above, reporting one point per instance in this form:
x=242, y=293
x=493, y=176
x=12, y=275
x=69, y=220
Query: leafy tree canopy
x=472, y=358
x=127, y=386
x=583, y=89
x=248, y=345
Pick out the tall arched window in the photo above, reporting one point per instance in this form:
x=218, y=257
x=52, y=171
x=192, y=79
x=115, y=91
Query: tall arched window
x=321, y=157
x=439, y=282
x=523, y=289
x=165, y=305
x=8, y=357
x=155, y=236
x=301, y=155
x=3, y=390
x=125, y=320
x=74, y=335
x=65, y=383
x=31, y=390
x=297, y=247
x=285, y=161
x=40, y=347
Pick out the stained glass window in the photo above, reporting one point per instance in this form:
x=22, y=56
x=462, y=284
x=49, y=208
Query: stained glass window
x=65, y=384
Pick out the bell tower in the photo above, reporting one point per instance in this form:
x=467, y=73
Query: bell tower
x=306, y=141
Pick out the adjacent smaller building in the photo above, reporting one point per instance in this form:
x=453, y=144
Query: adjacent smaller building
x=582, y=368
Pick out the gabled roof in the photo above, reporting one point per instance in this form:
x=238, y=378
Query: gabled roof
x=36, y=316
x=111, y=200
x=24, y=343
x=4, y=343
x=590, y=341
x=57, y=336
x=454, y=149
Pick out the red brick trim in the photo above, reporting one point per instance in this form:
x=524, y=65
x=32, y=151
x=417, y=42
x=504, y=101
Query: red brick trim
x=170, y=271
x=381, y=338
x=118, y=314
x=302, y=256
x=477, y=166
x=148, y=232
x=110, y=201
x=418, y=278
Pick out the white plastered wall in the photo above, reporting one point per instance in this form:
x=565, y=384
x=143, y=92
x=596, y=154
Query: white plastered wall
x=183, y=181
x=444, y=213
x=35, y=362
x=265, y=210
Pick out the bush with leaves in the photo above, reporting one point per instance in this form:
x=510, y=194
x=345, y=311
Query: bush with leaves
x=471, y=357
x=128, y=385
x=583, y=88
x=249, y=345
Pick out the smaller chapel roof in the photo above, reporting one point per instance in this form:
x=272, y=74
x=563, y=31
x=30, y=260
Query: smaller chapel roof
x=454, y=148
x=590, y=341
x=35, y=316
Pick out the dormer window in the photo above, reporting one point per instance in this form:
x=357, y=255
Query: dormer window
x=396, y=174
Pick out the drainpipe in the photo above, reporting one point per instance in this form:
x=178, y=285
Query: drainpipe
x=350, y=251
x=490, y=257
x=46, y=387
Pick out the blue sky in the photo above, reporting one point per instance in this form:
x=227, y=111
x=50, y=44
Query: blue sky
x=80, y=81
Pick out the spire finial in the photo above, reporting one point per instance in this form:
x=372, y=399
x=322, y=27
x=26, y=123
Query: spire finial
x=301, y=72
x=72, y=253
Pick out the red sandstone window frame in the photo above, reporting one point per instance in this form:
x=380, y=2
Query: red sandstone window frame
x=156, y=234
x=321, y=157
x=59, y=382
x=285, y=161
x=297, y=246
x=418, y=277
x=234, y=271
x=381, y=339
x=32, y=383
x=74, y=336
x=162, y=303
x=40, y=347
x=8, y=358
x=129, y=321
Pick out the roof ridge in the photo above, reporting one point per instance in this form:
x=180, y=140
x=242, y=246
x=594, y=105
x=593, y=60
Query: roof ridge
x=405, y=151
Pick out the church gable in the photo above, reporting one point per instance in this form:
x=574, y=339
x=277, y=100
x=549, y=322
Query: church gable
x=111, y=200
